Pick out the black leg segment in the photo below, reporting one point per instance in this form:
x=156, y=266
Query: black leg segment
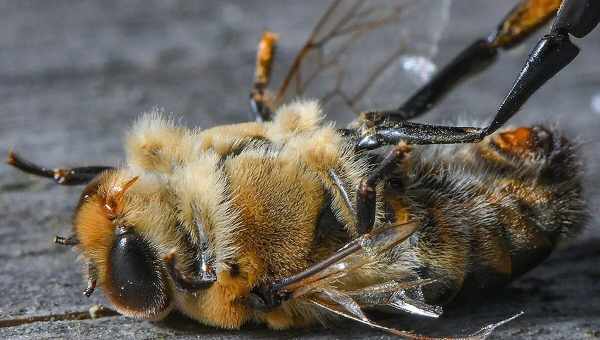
x=524, y=19
x=577, y=17
x=187, y=283
x=366, y=198
x=475, y=58
x=551, y=54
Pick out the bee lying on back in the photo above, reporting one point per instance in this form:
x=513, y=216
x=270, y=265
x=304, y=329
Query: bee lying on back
x=288, y=220
x=204, y=221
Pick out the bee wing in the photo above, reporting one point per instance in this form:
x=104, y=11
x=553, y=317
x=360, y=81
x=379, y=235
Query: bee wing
x=399, y=37
x=401, y=293
x=406, y=297
x=325, y=284
x=342, y=305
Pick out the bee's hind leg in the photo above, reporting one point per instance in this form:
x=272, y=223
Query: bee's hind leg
x=66, y=176
x=523, y=20
x=551, y=54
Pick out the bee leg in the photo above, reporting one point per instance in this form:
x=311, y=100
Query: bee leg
x=379, y=240
x=268, y=296
x=551, y=54
x=72, y=176
x=523, y=20
x=260, y=109
x=92, y=275
x=184, y=282
x=366, y=198
x=265, y=297
x=340, y=187
x=264, y=60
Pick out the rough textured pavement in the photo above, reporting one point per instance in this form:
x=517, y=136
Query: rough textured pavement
x=74, y=75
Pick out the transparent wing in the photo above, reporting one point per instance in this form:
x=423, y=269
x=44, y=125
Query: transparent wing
x=341, y=306
x=331, y=285
x=366, y=54
x=335, y=280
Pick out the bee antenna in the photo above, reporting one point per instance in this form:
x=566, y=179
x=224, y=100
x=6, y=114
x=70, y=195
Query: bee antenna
x=91, y=286
x=26, y=166
x=66, y=241
x=91, y=280
x=63, y=176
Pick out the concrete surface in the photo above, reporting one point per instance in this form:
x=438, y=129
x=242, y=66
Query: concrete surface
x=74, y=75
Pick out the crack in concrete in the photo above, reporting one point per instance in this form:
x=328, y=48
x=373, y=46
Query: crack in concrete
x=95, y=312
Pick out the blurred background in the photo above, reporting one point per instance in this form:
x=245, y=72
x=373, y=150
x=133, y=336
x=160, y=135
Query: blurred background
x=75, y=75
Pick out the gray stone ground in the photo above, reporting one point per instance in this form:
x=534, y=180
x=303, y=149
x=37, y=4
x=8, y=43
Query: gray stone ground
x=73, y=76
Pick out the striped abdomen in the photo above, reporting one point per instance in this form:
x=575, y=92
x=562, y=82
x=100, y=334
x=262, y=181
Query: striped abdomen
x=488, y=212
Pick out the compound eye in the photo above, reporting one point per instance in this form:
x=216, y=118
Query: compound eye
x=135, y=282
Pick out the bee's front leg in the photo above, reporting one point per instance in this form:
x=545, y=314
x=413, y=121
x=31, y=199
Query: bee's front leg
x=266, y=297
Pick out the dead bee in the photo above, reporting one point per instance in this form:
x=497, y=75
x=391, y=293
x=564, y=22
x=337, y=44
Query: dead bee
x=287, y=221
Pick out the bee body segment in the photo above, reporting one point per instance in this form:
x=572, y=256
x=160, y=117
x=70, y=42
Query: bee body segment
x=252, y=204
x=489, y=211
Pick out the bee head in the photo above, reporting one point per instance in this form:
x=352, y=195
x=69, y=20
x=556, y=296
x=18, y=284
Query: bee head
x=112, y=232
